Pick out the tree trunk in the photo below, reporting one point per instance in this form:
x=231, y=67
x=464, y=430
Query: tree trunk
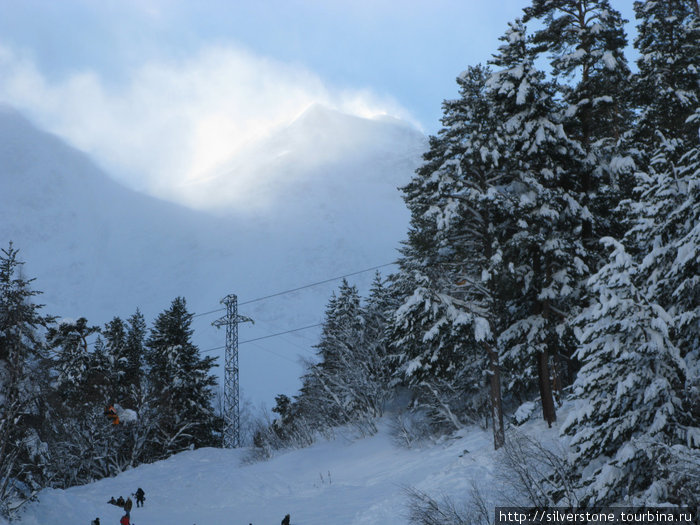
x=557, y=378
x=499, y=436
x=548, y=411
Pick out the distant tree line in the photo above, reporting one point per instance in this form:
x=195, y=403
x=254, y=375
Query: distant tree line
x=553, y=253
x=57, y=377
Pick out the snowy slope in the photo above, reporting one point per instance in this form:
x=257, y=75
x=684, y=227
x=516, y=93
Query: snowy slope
x=98, y=249
x=331, y=483
x=341, y=482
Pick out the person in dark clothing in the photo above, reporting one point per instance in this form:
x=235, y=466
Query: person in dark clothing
x=96, y=521
x=285, y=521
x=140, y=497
x=120, y=501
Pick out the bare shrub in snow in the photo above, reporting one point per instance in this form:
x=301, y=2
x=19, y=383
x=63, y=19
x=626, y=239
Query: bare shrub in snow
x=271, y=434
x=532, y=474
x=426, y=510
x=409, y=428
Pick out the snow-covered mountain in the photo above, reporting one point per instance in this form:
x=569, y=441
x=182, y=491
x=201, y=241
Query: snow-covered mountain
x=337, y=163
x=98, y=249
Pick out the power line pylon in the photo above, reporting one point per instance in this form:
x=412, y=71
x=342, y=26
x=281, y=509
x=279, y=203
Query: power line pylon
x=232, y=422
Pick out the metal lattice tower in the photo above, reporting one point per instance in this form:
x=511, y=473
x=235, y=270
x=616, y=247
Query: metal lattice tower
x=232, y=423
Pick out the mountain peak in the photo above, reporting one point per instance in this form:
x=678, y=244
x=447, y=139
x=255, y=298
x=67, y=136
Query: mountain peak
x=322, y=153
x=100, y=250
x=320, y=115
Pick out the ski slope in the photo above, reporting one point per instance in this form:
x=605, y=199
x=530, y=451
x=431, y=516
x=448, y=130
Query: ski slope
x=345, y=481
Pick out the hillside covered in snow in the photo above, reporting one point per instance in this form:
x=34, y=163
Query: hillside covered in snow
x=99, y=250
x=344, y=481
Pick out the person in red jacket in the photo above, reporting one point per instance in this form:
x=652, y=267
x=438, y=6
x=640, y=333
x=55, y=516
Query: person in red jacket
x=125, y=520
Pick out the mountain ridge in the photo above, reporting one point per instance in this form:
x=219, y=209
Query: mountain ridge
x=313, y=148
x=98, y=249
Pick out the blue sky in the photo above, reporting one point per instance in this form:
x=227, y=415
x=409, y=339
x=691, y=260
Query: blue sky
x=408, y=50
x=159, y=91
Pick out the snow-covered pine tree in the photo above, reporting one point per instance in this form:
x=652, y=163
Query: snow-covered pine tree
x=664, y=212
x=180, y=383
x=543, y=252
x=311, y=404
x=114, y=333
x=376, y=313
x=629, y=411
x=134, y=353
x=21, y=351
x=338, y=383
x=71, y=360
x=666, y=88
x=101, y=378
x=664, y=215
x=83, y=446
x=349, y=380
x=342, y=329
x=585, y=41
x=666, y=234
x=442, y=335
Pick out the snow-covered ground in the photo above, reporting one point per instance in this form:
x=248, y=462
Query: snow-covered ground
x=345, y=481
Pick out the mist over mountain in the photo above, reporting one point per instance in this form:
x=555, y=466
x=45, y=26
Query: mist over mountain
x=322, y=202
x=302, y=170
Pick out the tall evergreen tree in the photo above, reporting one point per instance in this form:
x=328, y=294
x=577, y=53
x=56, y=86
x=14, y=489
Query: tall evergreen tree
x=134, y=353
x=629, y=389
x=376, y=314
x=313, y=403
x=332, y=385
x=544, y=260
x=349, y=380
x=585, y=41
x=114, y=334
x=21, y=351
x=69, y=345
x=643, y=396
x=444, y=332
x=101, y=379
x=665, y=217
x=180, y=382
x=664, y=212
x=667, y=89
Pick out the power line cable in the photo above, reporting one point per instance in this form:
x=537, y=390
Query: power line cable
x=264, y=337
x=316, y=283
x=275, y=353
x=292, y=341
x=281, y=333
x=212, y=349
x=299, y=288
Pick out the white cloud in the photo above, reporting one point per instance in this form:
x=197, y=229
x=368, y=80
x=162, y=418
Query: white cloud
x=175, y=122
